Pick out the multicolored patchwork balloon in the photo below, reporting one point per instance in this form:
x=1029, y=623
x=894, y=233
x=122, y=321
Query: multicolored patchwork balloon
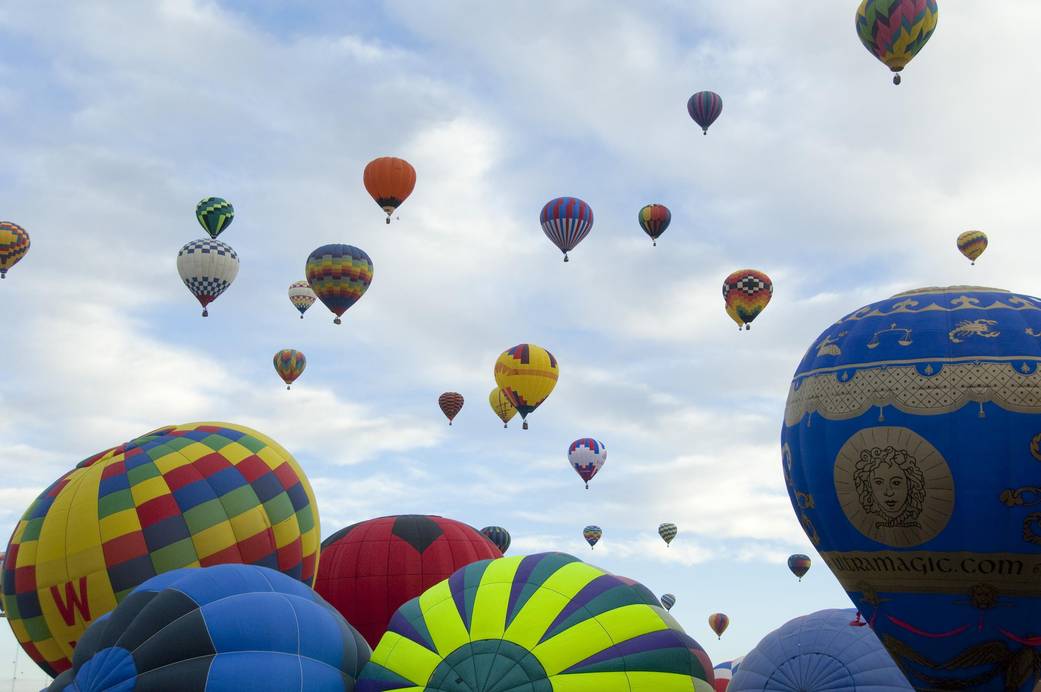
x=14, y=243
x=747, y=292
x=654, y=219
x=501, y=406
x=217, y=629
x=799, y=564
x=668, y=600
x=207, y=267
x=390, y=181
x=451, y=404
x=566, y=221
x=972, y=244
x=181, y=496
x=526, y=374
x=704, y=107
x=719, y=623
x=499, y=536
x=586, y=456
x=667, y=531
x=214, y=215
x=289, y=364
x=537, y=623
x=894, y=31
x=339, y=275
x=301, y=296
x=592, y=534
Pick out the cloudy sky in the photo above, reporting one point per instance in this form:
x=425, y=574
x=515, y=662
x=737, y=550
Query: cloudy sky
x=117, y=117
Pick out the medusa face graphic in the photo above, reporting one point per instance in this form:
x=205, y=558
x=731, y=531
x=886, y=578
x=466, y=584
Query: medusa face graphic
x=890, y=486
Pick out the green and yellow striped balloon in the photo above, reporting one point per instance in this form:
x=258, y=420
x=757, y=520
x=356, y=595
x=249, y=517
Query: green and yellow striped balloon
x=540, y=623
x=214, y=214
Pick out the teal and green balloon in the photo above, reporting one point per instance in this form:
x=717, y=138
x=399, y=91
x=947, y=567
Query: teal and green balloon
x=214, y=214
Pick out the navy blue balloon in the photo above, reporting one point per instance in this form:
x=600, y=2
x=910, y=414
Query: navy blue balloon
x=823, y=652
x=218, y=629
x=912, y=454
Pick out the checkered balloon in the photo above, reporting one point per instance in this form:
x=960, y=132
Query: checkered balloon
x=207, y=267
x=190, y=495
x=746, y=293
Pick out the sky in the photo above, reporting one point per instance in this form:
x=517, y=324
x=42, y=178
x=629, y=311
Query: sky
x=117, y=117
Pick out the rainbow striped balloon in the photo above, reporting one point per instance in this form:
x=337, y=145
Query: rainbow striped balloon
x=654, y=219
x=339, y=275
x=719, y=623
x=536, y=623
x=566, y=221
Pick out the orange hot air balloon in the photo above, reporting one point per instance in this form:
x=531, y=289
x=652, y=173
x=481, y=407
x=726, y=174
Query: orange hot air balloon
x=390, y=181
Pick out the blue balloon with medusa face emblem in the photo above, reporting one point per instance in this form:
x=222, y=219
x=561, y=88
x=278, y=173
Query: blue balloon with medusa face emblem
x=911, y=450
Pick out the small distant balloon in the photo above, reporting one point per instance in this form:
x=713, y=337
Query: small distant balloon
x=746, y=293
x=668, y=600
x=501, y=406
x=972, y=244
x=499, y=536
x=799, y=565
x=390, y=181
x=704, y=107
x=451, y=404
x=289, y=364
x=566, y=221
x=894, y=31
x=14, y=243
x=586, y=456
x=592, y=534
x=719, y=623
x=339, y=275
x=214, y=215
x=654, y=219
x=667, y=531
x=207, y=267
x=301, y=296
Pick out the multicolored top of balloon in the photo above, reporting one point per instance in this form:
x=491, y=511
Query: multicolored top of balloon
x=894, y=31
x=654, y=219
x=746, y=293
x=566, y=221
x=339, y=275
x=289, y=364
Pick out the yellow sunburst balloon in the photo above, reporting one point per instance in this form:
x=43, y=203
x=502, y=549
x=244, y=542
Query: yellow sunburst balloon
x=502, y=406
x=526, y=374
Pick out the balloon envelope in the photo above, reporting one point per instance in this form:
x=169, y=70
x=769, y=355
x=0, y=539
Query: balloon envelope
x=894, y=31
x=14, y=244
x=972, y=244
x=668, y=600
x=725, y=672
x=746, y=293
x=499, y=536
x=592, y=534
x=339, y=275
x=214, y=215
x=207, y=267
x=389, y=180
x=719, y=623
x=566, y=221
x=536, y=623
x=704, y=107
x=180, y=496
x=502, y=406
x=667, y=531
x=301, y=296
x=451, y=404
x=888, y=417
x=526, y=374
x=799, y=565
x=820, y=652
x=218, y=629
x=289, y=364
x=587, y=456
x=654, y=219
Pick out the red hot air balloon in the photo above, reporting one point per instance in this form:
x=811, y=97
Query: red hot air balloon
x=451, y=404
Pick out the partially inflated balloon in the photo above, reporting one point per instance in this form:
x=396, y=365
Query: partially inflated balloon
x=339, y=275
x=207, y=267
x=499, y=536
x=566, y=221
x=747, y=292
x=895, y=30
x=214, y=215
x=704, y=107
x=654, y=219
x=502, y=406
x=451, y=404
x=218, y=629
x=719, y=623
x=301, y=296
x=972, y=244
x=799, y=565
x=181, y=496
x=526, y=374
x=289, y=364
x=667, y=531
x=586, y=456
x=592, y=534
x=668, y=600
x=535, y=624
x=390, y=181
x=14, y=243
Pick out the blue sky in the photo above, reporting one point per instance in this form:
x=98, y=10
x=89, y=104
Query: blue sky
x=116, y=118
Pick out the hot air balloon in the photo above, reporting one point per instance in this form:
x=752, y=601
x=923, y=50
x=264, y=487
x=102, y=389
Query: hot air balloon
x=207, y=267
x=190, y=495
x=289, y=364
x=746, y=293
x=654, y=219
x=217, y=629
x=369, y=569
x=719, y=623
x=451, y=404
x=799, y=565
x=536, y=623
x=972, y=244
x=566, y=221
x=301, y=296
x=592, y=534
x=390, y=181
x=668, y=600
x=725, y=672
x=339, y=275
x=704, y=107
x=895, y=30
x=214, y=215
x=586, y=456
x=526, y=374
x=14, y=243
x=499, y=536
x=667, y=531
x=819, y=652
x=501, y=406
x=889, y=416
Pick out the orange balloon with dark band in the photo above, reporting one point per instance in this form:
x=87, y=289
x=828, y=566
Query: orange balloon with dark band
x=390, y=181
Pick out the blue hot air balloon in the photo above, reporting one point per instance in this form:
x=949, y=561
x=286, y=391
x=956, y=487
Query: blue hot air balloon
x=912, y=454
x=218, y=629
x=823, y=652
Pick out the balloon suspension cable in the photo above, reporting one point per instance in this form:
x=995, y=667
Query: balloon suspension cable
x=337, y=321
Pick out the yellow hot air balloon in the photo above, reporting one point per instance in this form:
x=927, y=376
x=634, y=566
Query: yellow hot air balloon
x=972, y=244
x=502, y=406
x=526, y=374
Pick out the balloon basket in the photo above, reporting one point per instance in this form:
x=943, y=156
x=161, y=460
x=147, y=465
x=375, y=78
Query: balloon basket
x=337, y=321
